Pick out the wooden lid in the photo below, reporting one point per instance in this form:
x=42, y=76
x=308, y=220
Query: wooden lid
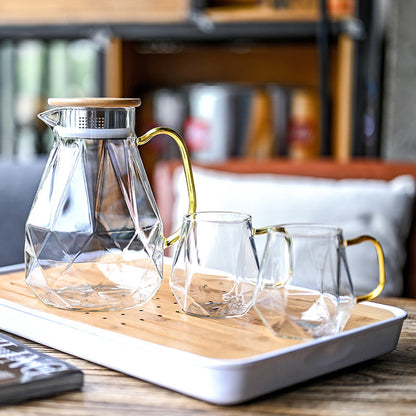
x=94, y=102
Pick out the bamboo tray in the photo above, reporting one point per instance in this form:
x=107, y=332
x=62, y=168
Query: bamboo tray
x=224, y=361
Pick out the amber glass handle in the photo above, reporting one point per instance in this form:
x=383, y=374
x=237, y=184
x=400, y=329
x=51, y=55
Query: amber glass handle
x=186, y=166
x=262, y=230
x=381, y=269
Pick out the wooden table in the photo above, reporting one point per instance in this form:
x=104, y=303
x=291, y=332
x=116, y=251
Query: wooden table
x=382, y=386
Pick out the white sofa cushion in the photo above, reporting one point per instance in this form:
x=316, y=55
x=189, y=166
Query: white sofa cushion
x=379, y=208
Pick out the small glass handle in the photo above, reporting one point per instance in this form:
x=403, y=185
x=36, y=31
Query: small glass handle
x=381, y=269
x=186, y=166
x=262, y=230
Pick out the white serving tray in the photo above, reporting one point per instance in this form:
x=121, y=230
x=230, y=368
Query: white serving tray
x=224, y=361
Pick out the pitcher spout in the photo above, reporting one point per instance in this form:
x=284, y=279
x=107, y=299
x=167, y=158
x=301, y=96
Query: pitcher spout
x=51, y=117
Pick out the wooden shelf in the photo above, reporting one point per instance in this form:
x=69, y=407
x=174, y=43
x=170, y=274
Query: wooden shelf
x=262, y=13
x=44, y=12
x=247, y=64
x=175, y=20
x=253, y=44
x=184, y=31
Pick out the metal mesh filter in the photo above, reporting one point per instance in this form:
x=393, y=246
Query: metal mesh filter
x=84, y=122
x=96, y=123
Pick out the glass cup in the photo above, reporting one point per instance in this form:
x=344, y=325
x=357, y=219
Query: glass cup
x=215, y=266
x=305, y=289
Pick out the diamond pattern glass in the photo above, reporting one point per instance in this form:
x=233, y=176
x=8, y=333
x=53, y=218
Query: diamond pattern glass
x=215, y=267
x=94, y=238
x=305, y=289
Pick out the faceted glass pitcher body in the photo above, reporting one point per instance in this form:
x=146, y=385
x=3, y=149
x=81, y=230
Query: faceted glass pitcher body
x=94, y=237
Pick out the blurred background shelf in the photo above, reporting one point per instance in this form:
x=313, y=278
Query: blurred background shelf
x=140, y=47
x=188, y=30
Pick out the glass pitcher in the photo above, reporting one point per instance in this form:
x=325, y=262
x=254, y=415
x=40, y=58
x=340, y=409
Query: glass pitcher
x=94, y=237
